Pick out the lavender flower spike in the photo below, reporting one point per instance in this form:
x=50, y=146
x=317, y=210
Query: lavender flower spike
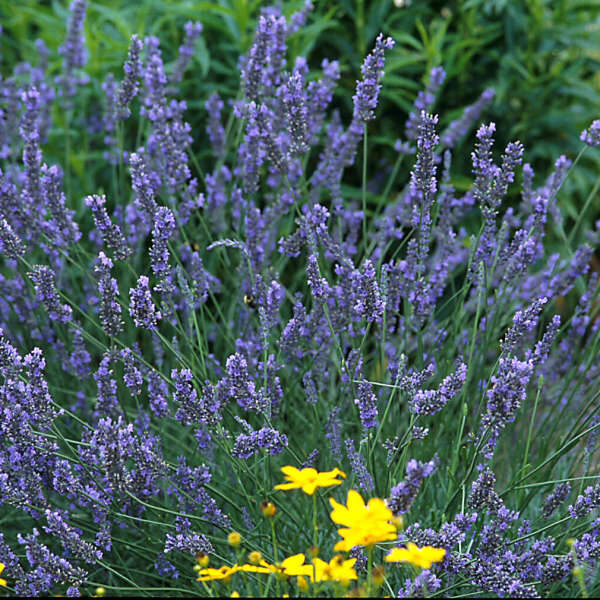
x=10, y=243
x=591, y=135
x=43, y=280
x=110, y=309
x=294, y=100
x=140, y=182
x=186, y=50
x=367, y=90
x=130, y=85
x=111, y=233
x=164, y=226
x=403, y=495
x=141, y=307
x=73, y=49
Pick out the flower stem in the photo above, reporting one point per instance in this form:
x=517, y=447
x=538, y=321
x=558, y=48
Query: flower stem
x=369, y=570
x=315, y=526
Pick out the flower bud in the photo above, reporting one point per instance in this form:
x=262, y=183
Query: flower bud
x=268, y=509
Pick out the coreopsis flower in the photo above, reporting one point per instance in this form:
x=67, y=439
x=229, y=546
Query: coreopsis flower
x=365, y=524
x=420, y=557
x=223, y=572
x=2, y=581
x=308, y=480
x=337, y=569
x=292, y=566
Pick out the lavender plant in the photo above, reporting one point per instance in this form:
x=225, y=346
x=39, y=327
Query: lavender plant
x=167, y=346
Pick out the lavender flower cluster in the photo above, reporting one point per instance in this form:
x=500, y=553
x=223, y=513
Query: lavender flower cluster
x=160, y=358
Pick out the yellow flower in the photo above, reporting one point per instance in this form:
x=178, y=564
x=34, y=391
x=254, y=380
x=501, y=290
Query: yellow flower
x=365, y=525
x=255, y=557
x=337, y=569
x=234, y=539
x=421, y=557
x=100, y=591
x=2, y=581
x=308, y=480
x=203, y=560
x=268, y=509
x=292, y=566
x=223, y=572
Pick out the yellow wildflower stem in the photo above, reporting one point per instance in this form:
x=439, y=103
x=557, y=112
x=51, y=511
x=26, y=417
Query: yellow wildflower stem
x=315, y=526
x=369, y=569
x=275, y=554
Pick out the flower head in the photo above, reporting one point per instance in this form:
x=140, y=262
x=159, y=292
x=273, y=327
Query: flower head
x=421, y=557
x=223, y=572
x=308, y=480
x=292, y=566
x=337, y=569
x=365, y=524
x=2, y=581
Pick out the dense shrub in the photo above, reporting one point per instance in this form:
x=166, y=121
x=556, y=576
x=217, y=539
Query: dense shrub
x=217, y=303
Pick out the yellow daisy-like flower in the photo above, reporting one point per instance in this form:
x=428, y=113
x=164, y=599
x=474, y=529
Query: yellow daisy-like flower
x=421, y=557
x=308, y=480
x=337, y=569
x=366, y=524
x=223, y=572
x=2, y=581
x=292, y=566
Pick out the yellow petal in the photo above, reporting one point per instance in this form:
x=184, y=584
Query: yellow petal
x=296, y=560
x=287, y=486
x=355, y=502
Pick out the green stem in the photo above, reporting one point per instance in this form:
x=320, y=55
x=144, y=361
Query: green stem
x=369, y=570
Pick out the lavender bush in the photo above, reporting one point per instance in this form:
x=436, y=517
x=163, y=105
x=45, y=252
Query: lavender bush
x=169, y=343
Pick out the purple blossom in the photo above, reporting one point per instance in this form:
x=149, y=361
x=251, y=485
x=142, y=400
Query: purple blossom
x=142, y=186
x=270, y=440
x=359, y=468
x=186, y=50
x=110, y=232
x=110, y=309
x=141, y=308
x=214, y=128
x=367, y=404
x=555, y=499
x=129, y=86
x=591, y=135
x=461, y=126
x=73, y=51
x=164, y=227
x=10, y=244
x=424, y=102
x=295, y=105
x=403, y=495
x=45, y=289
x=368, y=304
x=158, y=392
x=428, y=402
x=367, y=90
